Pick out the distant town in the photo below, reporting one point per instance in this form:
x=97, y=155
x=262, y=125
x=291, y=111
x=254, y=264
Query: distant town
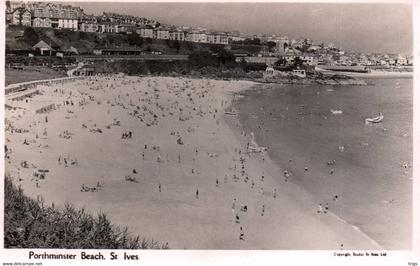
x=258, y=49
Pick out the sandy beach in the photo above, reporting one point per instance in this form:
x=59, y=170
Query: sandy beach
x=166, y=157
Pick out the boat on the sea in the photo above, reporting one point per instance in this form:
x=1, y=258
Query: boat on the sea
x=336, y=112
x=377, y=119
x=230, y=113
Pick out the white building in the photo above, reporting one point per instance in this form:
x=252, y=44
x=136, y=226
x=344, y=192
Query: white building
x=162, y=34
x=68, y=23
x=217, y=38
x=42, y=23
x=88, y=26
x=202, y=37
x=21, y=16
x=177, y=35
x=196, y=36
x=145, y=32
x=308, y=59
x=108, y=27
x=235, y=39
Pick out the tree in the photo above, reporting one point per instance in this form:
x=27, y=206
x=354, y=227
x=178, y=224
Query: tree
x=227, y=58
x=255, y=41
x=305, y=47
x=135, y=39
x=271, y=45
x=177, y=45
x=297, y=62
x=281, y=62
x=31, y=36
x=224, y=57
x=201, y=59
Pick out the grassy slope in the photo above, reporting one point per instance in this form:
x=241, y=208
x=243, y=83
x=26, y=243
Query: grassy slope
x=13, y=76
x=30, y=224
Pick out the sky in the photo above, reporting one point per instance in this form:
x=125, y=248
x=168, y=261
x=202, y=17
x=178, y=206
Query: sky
x=364, y=27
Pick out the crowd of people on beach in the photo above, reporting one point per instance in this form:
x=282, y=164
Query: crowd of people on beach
x=151, y=105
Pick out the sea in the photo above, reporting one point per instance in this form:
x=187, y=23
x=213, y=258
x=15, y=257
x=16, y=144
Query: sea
x=318, y=133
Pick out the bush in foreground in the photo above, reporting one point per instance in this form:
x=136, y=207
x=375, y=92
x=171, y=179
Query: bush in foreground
x=30, y=224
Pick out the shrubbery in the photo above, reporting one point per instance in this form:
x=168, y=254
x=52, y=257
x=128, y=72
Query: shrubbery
x=201, y=66
x=30, y=224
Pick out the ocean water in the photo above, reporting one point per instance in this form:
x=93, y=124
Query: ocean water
x=372, y=170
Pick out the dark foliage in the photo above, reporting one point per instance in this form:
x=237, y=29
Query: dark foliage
x=30, y=224
x=255, y=41
x=200, y=59
x=135, y=39
x=31, y=36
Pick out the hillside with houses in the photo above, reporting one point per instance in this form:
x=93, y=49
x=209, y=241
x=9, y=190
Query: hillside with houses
x=47, y=29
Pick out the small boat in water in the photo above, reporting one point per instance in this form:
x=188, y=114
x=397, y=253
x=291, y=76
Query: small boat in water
x=336, y=112
x=230, y=113
x=377, y=119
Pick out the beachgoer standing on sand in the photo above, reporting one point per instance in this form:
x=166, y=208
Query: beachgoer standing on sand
x=217, y=182
x=196, y=194
x=233, y=204
x=320, y=209
x=263, y=210
x=326, y=208
x=274, y=193
x=160, y=187
x=241, y=235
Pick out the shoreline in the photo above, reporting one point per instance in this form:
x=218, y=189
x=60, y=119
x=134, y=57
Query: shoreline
x=206, y=216
x=273, y=168
x=290, y=142
x=373, y=74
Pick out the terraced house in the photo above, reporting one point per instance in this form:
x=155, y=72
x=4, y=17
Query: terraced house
x=20, y=16
x=55, y=15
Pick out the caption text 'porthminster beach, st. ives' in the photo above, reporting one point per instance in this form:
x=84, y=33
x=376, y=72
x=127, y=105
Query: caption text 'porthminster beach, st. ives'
x=84, y=256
